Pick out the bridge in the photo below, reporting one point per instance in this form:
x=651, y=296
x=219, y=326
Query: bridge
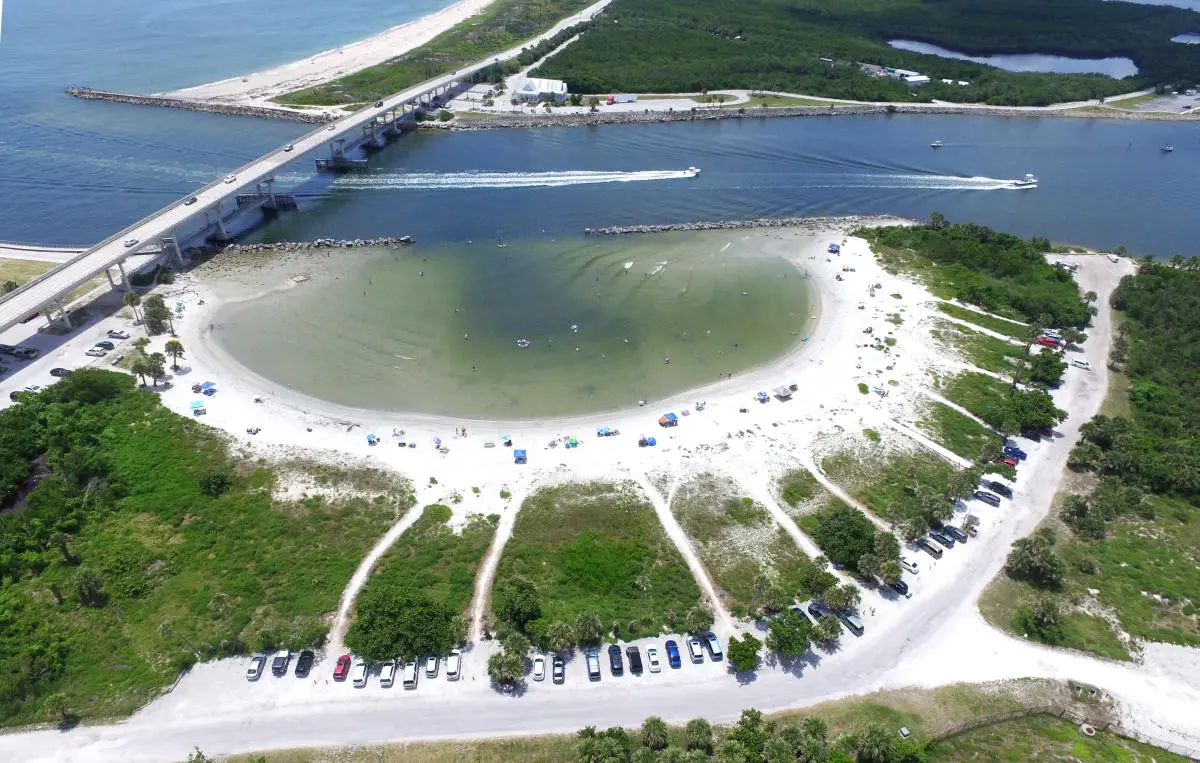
x=161, y=229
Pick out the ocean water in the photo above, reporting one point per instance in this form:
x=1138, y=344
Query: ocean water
x=439, y=329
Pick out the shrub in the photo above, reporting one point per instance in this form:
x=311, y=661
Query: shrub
x=1034, y=559
x=743, y=654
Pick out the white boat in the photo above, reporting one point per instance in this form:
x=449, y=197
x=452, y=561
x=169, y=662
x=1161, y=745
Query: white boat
x=936, y=144
x=692, y=171
x=1029, y=181
x=1167, y=148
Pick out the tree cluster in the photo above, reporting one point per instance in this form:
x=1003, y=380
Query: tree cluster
x=396, y=622
x=850, y=539
x=1034, y=559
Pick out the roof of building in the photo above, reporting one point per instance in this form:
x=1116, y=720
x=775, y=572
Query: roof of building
x=537, y=85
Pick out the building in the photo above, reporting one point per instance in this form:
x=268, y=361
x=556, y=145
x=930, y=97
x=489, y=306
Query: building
x=534, y=90
x=914, y=79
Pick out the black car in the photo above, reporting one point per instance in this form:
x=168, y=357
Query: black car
x=304, y=663
x=999, y=488
x=945, y=540
x=279, y=664
x=929, y=548
x=635, y=660
x=989, y=498
x=107, y=345
x=61, y=373
x=818, y=610
x=954, y=533
x=1032, y=435
x=799, y=613
x=558, y=669
x=614, y=660
x=378, y=104
x=899, y=587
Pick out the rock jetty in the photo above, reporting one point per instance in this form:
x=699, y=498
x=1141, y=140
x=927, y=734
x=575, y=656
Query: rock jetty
x=804, y=223
x=231, y=109
x=320, y=243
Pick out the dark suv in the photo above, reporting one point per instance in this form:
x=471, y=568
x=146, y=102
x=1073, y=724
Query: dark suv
x=990, y=499
x=614, y=660
x=304, y=663
x=999, y=488
x=635, y=660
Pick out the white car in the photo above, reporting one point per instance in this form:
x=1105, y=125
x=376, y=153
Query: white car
x=387, y=673
x=331, y=127
x=230, y=178
x=118, y=334
x=652, y=660
x=539, y=668
x=454, y=665
x=288, y=147
x=96, y=352
x=694, y=649
x=431, y=666
x=909, y=566
x=257, y=663
x=358, y=673
x=130, y=242
x=1086, y=366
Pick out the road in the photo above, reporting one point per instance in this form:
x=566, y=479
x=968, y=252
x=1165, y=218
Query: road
x=935, y=638
x=38, y=293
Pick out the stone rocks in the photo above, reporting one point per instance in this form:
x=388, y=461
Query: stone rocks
x=320, y=243
x=806, y=223
x=215, y=108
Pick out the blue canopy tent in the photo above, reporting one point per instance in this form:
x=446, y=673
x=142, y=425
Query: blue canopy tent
x=834, y=248
x=208, y=388
x=647, y=442
x=519, y=457
x=668, y=420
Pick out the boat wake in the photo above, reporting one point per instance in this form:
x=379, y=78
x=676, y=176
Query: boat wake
x=419, y=181
x=933, y=182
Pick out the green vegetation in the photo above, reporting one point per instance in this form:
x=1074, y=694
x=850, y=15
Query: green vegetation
x=911, y=489
x=500, y=26
x=1005, y=408
x=148, y=546
x=848, y=538
x=960, y=433
x=1044, y=737
x=753, y=560
x=760, y=100
x=998, y=272
x=981, y=350
x=743, y=653
x=432, y=558
x=673, y=46
x=864, y=389
x=596, y=549
x=798, y=486
x=395, y=620
x=989, y=322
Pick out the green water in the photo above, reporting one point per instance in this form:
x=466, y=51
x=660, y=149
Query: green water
x=375, y=333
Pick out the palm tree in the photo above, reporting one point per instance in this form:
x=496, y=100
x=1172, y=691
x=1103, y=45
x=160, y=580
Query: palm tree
x=654, y=733
x=220, y=602
x=872, y=745
x=174, y=348
x=132, y=300
x=559, y=636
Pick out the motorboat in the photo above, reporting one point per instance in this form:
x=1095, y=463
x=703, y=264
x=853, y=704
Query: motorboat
x=936, y=144
x=1168, y=149
x=1029, y=181
x=693, y=171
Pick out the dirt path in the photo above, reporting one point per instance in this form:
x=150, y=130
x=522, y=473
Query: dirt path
x=807, y=461
x=981, y=311
x=481, y=599
x=980, y=329
x=675, y=532
x=928, y=444
x=762, y=493
x=950, y=404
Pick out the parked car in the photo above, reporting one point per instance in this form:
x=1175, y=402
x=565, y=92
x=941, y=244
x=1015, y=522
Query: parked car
x=1031, y=435
x=257, y=663
x=410, y=674
x=1086, y=366
x=799, y=612
x=990, y=499
x=1006, y=461
x=15, y=395
x=358, y=673
x=694, y=649
x=304, y=663
x=955, y=533
x=104, y=344
x=940, y=537
x=852, y=622
x=593, y=665
x=714, y=647
x=96, y=352
x=1047, y=432
x=818, y=610
x=387, y=674
x=672, y=654
x=652, y=661
x=280, y=662
x=899, y=587
x=615, y=663
x=929, y=548
x=539, y=668
x=61, y=373
x=558, y=669
x=635, y=660
x=431, y=666
x=909, y=566
x=1013, y=451
x=117, y=334
x=342, y=669
x=1046, y=341
x=454, y=665
x=999, y=488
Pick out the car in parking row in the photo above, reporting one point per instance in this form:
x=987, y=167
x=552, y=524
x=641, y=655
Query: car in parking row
x=990, y=499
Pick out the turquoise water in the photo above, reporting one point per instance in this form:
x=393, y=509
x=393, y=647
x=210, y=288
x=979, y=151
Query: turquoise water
x=437, y=329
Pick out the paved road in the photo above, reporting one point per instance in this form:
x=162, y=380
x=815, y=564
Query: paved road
x=44, y=290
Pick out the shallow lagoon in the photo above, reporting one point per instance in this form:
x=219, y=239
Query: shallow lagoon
x=1117, y=68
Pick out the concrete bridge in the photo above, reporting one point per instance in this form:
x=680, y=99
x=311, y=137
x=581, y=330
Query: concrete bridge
x=368, y=126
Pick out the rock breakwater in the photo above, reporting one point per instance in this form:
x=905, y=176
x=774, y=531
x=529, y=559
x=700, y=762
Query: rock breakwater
x=230, y=109
x=804, y=223
x=319, y=243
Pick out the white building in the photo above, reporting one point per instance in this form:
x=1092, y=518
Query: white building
x=534, y=90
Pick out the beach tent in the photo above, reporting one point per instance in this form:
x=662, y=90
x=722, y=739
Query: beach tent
x=668, y=420
x=208, y=388
x=372, y=439
x=519, y=457
x=761, y=397
x=506, y=440
x=198, y=408
x=834, y=248
x=783, y=393
x=647, y=442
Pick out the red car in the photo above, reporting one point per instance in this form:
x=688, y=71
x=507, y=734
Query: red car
x=342, y=669
x=1046, y=341
x=1006, y=461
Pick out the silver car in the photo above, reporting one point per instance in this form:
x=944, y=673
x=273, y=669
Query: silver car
x=257, y=663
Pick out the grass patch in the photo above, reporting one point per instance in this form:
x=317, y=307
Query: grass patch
x=1045, y=737
x=21, y=272
x=979, y=349
x=991, y=323
x=979, y=393
x=586, y=546
x=738, y=541
x=895, y=319
x=871, y=435
x=500, y=26
x=761, y=101
x=432, y=558
x=957, y=432
x=884, y=482
x=863, y=388
x=798, y=486
x=1137, y=100
x=163, y=546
